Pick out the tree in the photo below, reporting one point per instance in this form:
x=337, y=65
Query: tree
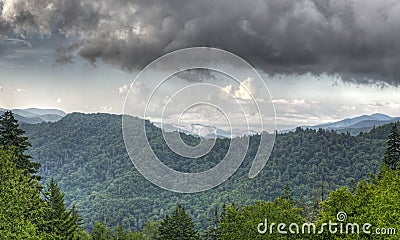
x=392, y=154
x=100, y=231
x=246, y=222
x=375, y=201
x=73, y=224
x=60, y=221
x=213, y=232
x=178, y=226
x=12, y=137
x=151, y=230
x=21, y=208
x=287, y=194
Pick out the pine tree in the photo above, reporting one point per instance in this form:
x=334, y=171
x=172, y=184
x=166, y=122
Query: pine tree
x=178, y=226
x=21, y=208
x=287, y=194
x=12, y=137
x=73, y=223
x=60, y=221
x=100, y=232
x=392, y=154
x=213, y=232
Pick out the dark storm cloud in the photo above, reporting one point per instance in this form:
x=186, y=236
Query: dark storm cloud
x=196, y=75
x=358, y=39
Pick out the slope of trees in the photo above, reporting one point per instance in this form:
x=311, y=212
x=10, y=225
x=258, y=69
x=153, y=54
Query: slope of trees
x=372, y=203
x=28, y=211
x=86, y=156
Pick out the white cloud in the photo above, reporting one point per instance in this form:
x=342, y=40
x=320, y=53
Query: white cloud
x=59, y=100
x=346, y=108
x=228, y=89
x=289, y=120
x=106, y=108
x=17, y=90
x=382, y=107
x=123, y=89
x=295, y=102
x=247, y=89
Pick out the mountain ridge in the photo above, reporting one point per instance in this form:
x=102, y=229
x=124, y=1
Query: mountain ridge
x=36, y=115
x=355, y=125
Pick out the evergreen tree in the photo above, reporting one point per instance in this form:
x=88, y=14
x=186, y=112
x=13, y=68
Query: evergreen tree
x=151, y=230
x=73, y=223
x=21, y=208
x=287, y=194
x=100, y=232
x=213, y=232
x=178, y=226
x=12, y=137
x=392, y=154
x=60, y=221
x=119, y=233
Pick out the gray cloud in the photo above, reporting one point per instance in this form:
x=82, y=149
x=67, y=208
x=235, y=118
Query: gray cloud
x=358, y=39
x=196, y=75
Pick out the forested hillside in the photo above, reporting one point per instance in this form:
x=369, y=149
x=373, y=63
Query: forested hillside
x=86, y=155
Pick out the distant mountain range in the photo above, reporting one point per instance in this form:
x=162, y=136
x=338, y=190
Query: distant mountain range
x=203, y=130
x=36, y=115
x=354, y=125
x=358, y=124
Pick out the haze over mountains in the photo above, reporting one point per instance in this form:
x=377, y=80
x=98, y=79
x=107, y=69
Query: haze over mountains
x=358, y=124
x=36, y=115
x=353, y=125
x=206, y=131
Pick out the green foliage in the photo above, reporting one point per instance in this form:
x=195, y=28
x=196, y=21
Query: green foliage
x=392, y=154
x=21, y=208
x=287, y=194
x=375, y=201
x=150, y=230
x=310, y=161
x=242, y=222
x=101, y=232
x=60, y=221
x=86, y=155
x=178, y=225
x=81, y=234
x=12, y=137
x=23, y=213
x=213, y=232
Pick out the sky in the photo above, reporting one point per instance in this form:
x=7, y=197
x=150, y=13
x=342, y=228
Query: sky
x=320, y=60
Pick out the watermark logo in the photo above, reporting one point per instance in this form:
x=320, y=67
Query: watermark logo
x=332, y=227
x=207, y=89
x=341, y=216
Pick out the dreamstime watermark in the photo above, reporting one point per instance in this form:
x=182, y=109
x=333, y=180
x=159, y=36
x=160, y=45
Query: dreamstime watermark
x=231, y=89
x=339, y=227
